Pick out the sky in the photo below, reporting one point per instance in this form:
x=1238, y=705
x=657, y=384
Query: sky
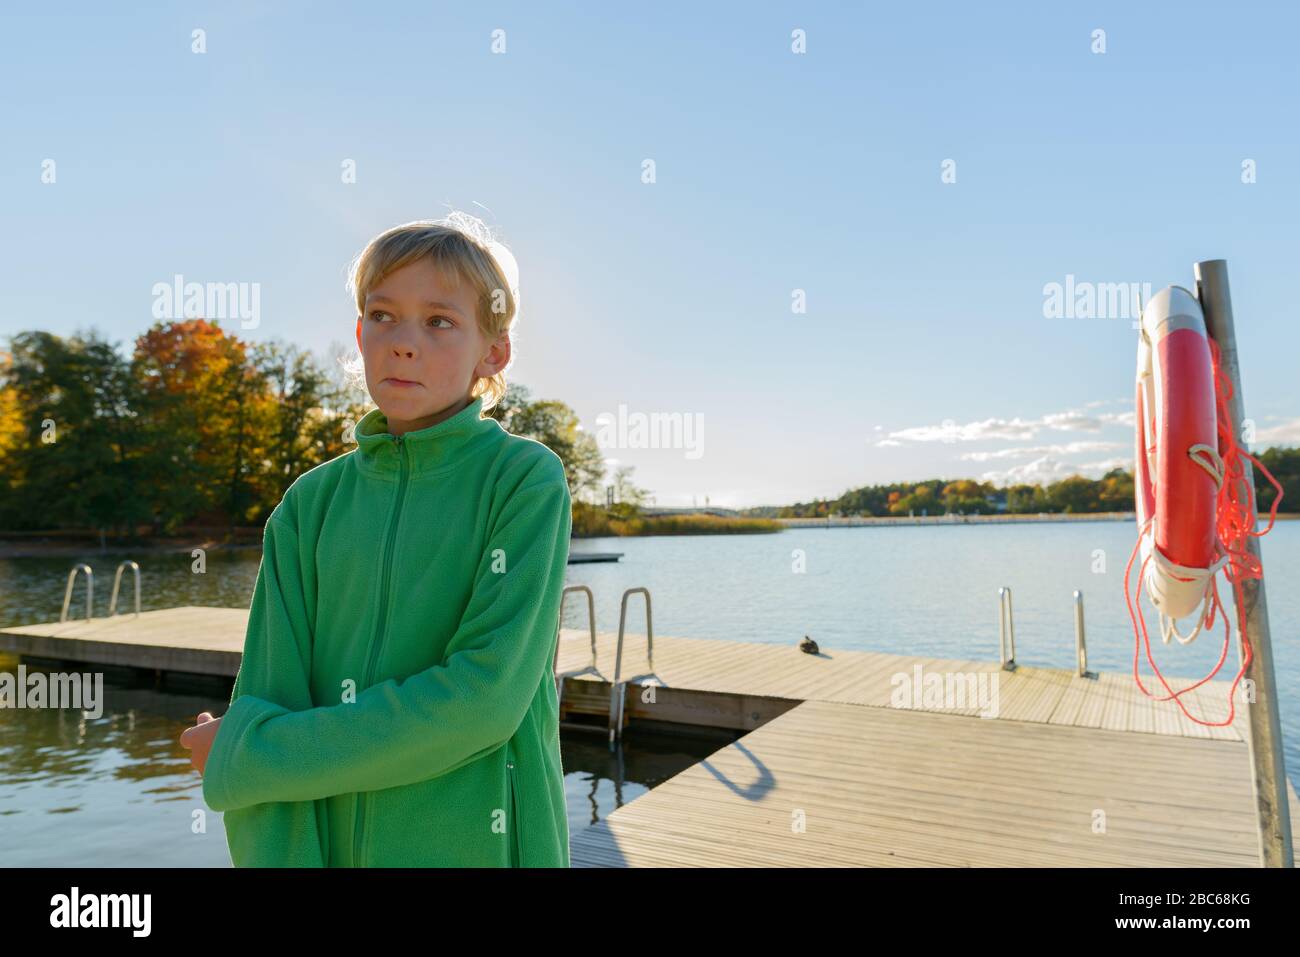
x=819, y=238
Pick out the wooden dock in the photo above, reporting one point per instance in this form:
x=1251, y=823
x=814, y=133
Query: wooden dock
x=842, y=785
x=1069, y=771
x=192, y=639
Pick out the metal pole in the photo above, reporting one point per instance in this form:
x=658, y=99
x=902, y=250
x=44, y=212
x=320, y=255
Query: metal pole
x=1002, y=627
x=1080, y=640
x=1266, y=760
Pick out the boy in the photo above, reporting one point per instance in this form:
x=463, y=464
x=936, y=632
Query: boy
x=396, y=703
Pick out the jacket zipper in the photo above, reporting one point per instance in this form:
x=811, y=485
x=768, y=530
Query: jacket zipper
x=358, y=844
x=516, y=859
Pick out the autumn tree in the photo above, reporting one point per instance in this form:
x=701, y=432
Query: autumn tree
x=76, y=432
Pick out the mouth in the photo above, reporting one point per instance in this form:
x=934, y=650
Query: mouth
x=399, y=382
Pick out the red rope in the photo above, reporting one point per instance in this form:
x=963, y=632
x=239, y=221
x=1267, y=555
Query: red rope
x=1235, y=520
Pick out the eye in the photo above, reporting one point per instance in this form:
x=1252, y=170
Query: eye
x=443, y=319
x=377, y=313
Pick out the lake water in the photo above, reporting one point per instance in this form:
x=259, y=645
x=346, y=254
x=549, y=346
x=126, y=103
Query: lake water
x=119, y=789
x=932, y=590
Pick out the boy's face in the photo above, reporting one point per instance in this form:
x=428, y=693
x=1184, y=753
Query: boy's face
x=419, y=326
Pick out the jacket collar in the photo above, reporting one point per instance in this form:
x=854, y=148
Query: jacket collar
x=433, y=449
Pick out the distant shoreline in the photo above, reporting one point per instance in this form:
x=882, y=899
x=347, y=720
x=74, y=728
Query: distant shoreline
x=70, y=543
x=846, y=522
x=55, y=545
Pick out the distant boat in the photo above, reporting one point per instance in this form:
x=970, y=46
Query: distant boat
x=579, y=558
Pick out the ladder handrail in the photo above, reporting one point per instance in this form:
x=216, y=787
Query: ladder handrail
x=649, y=631
x=591, y=618
x=1007, y=634
x=1080, y=640
x=90, y=591
x=1006, y=626
x=117, y=580
x=617, y=692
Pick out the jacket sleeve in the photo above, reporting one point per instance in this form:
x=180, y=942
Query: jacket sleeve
x=402, y=731
x=275, y=668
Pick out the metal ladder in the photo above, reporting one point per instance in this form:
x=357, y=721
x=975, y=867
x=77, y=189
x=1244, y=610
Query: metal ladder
x=90, y=590
x=1007, y=629
x=618, y=692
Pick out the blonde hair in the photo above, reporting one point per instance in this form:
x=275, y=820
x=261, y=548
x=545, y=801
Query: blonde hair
x=462, y=245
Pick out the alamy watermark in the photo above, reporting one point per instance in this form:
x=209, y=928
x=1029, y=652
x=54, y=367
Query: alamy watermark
x=946, y=691
x=208, y=300
x=75, y=909
x=651, y=430
x=1095, y=300
x=54, y=690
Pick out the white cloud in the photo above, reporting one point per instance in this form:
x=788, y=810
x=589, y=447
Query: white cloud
x=1020, y=451
x=1039, y=471
x=1071, y=420
x=1048, y=468
x=950, y=431
x=1049, y=461
x=1098, y=469
x=1286, y=433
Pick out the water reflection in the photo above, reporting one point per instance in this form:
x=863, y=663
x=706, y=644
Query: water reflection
x=119, y=790
x=599, y=779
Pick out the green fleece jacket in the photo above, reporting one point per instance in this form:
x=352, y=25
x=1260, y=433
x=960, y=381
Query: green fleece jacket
x=396, y=702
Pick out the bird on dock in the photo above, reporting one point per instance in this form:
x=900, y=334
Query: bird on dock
x=808, y=646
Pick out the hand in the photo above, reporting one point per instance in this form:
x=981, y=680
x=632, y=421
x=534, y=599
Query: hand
x=199, y=738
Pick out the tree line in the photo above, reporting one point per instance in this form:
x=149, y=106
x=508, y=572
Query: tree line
x=194, y=427
x=1113, y=492
x=198, y=427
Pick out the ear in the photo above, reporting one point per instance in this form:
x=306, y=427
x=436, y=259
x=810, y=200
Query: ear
x=358, y=333
x=498, y=358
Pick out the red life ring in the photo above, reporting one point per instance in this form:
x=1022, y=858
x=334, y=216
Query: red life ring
x=1178, y=471
x=1195, y=503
